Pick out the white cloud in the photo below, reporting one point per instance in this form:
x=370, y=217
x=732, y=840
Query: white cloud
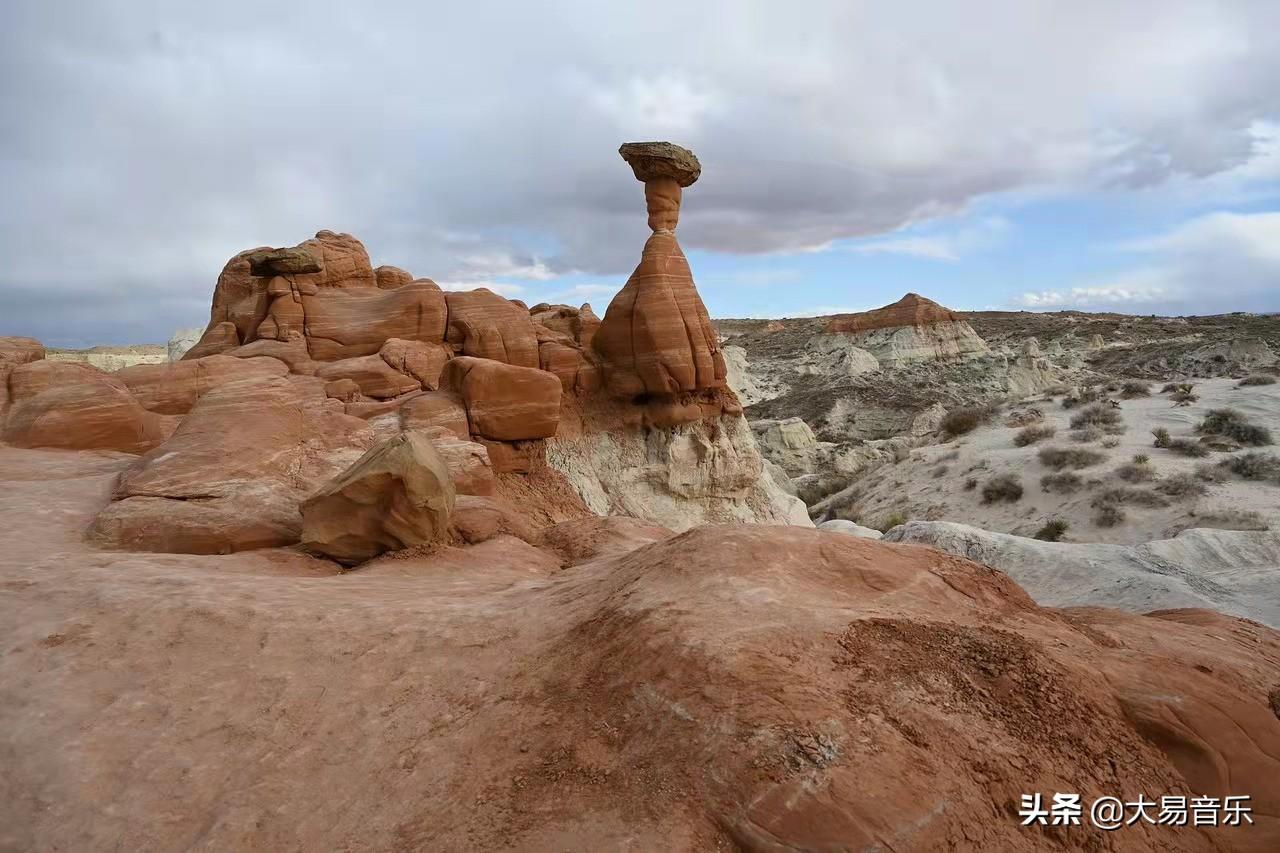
x=946, y=246
x=1212, y=264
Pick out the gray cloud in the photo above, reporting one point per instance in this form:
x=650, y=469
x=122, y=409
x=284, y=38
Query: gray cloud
x=142, y=144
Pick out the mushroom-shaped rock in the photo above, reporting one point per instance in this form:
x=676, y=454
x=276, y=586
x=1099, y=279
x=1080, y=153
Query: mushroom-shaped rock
x=291, y=261
x=656, y=336
x=397, y=495
x=505, y=402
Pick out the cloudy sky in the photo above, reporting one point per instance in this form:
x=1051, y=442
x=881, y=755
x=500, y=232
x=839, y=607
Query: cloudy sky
x=1024, y=154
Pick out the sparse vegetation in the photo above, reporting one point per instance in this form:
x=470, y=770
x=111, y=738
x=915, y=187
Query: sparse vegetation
x=1227, y=519
x=1211, y=473
x=1111, y=443
x=1256, y=379
x=1082, y=398
x=1136, y=472
x=1032, y=434
x=1135, y=389
x=1254, y=465
x=891, y=521
x=1064, y=482
x=1053, y=530
x=1130, y=495
x=1141, y=459
x=1182, y=486
x=967, y=419
x=1184, y=446
x=1086, y=435
x=1183, y=398
x=1162, y=437
x=1026, y=417
x=1109, y=515
x=1099, y=415
x=814, y=488
x=1234, y=425
x=971, y=484
x=940, y=472
x=1002, y=487
x=1070, y=457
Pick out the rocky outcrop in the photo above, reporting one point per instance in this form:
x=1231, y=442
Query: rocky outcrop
x=505, y=402
x=72, y=406
x=1227, y=570
x=656, y=337
x=840, y=525
x=182, y=340
x=232, y=475
x=912, y=329
x=398, y=495
x=484, y=325
x=173, y=388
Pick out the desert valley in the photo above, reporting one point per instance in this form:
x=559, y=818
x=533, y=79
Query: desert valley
x=367, y=564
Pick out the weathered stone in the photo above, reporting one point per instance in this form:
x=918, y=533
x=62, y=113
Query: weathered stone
x=291, y=261
x=399, y=494
x=505, y=402
x=656, y=160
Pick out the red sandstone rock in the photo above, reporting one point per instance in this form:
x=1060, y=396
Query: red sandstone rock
x=343, y=261
x=231, y=476
x=468, y=461
x=389, y=277
x=505, y=402
x=485, y=325
x=355, y=322
x=436, y=409
x=910, y=310
x=292, y=351
x=13, y=352
x=423, y=361
x=375, y=377
x=172, y=389
x=656, y=336
x=218, y=338
x=86, y=414
x=397, y=495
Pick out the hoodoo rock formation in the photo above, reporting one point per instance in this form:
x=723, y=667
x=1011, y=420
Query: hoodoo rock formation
x=656, y=337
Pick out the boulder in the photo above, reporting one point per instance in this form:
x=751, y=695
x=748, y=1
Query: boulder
x=231, y=476
x=181, y=341
x=79, y=411
x=273, y=262
x=436, y=409
x=15, y=351
x=484, y=325
x=389, y=277
x=657, y=160
x=354, y=322
x=840, y=525
x=505, y=402
x=397, y=495
x=418, y=359
x=218, y=338
x=172, y=389
x=372, y=374
x=292, y=351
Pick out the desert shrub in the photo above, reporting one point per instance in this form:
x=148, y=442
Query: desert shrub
x=1187, y=447
x=1182, y=486
x=1134, y=472
x=1108, y=515
x=1064, y=482
x=1254, y=465
x=1125, y=495
x=1002, y=487
x=1098, y=414
x=1032, y=434
x=967, y=419
x=1169, y=388
x=940, y=472
x=1070, y=457
x=1086, y=435
x=1212, y=473
x=1141, y=459
x=891, y=521
x=1228, y=519
x=1135, y=389
x=814, y=488
x=971, y=484
x=1256, y=379
x=1162, y=437
x=1183, y=398
x=1111, y=443
x=1082, y=398
x=1026, y=417
x=1052, y=530
x=1234, y=425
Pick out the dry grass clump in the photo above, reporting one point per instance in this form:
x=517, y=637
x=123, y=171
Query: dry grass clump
x=1211, y=473
x=1256, y=379
x=1084, y=397
x=1109, y=515
x=971, y=484
x=1064, y=482
x=1185, y=446
x=1087, y=435
x=1182, y=486
x=1111, y=443
x=1254, y=465
x=1032, y=434
x=1129, y=390
x=1136, y=472
x=1026, y=417
x=1058, y=458
x=1002, y=487
x=1183, y=398
x=967, y=419
x=1130, y=495
x=1234, y=425
x=1052, y=531
x=1227, y=519
x=1098, y=414
x=891, y=521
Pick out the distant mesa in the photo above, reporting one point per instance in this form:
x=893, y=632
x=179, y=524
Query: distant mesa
x=911, y=310
x=912, y=329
